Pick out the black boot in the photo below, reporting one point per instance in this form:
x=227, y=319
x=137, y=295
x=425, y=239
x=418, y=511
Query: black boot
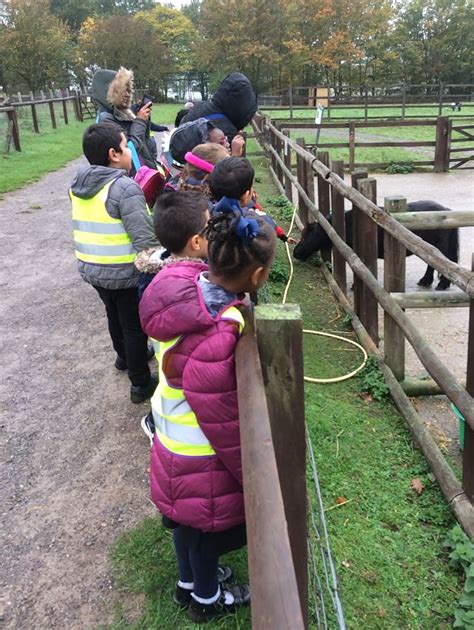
x=139, y=394
x=228, y=602
x=182, y=596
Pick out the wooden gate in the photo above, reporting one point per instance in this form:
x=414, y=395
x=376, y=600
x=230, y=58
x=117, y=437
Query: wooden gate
x=459, y=157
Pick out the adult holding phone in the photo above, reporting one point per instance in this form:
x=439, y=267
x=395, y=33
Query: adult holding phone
x=145, y=102
x=113, y=91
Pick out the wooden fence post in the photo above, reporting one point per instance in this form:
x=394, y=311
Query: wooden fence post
x=301, y=176
x=468, y=453
x=368, y=244
x=404, y=100
x=324, y=199
x=356, y=213
x=52, y=114
x=272, y=143
x=339, y=224
x=394, y=280
x=282, y=369
x=287, y=160
x=351, y=145
x=13, y=119
x=278, y=149
x=34, y=115
x=65, y=112
x=443, y=141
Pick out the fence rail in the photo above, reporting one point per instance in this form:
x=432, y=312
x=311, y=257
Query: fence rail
x=11, y=112
x=368, y=291
x=443, y=154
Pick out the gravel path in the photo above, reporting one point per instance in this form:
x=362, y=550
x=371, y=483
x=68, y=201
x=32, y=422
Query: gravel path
x=74, y=463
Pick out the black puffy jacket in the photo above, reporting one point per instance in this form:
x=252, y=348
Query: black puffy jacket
x=234, y=99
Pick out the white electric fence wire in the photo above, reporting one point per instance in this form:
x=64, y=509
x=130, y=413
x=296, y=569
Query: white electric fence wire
x=325, y=549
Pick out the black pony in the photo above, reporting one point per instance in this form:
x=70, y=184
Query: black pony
x=315, y=238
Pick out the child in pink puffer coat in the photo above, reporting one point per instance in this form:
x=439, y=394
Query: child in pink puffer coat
x=192, y=311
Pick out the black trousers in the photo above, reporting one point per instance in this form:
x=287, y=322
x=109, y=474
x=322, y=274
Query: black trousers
x=198, y=554
x=128, y=338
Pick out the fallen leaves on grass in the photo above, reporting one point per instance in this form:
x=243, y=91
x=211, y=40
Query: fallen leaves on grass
x=417, y=485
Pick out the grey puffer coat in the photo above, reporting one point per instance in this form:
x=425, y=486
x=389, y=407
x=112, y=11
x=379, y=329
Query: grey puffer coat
x=126, y=202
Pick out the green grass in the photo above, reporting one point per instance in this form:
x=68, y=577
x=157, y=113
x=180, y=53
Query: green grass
x=387, y=540
x=41, y=153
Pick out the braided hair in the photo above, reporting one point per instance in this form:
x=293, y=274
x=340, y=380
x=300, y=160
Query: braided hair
x=237, y=243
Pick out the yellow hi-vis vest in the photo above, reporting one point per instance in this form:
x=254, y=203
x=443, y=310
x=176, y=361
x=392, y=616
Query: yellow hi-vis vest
x=176, y=425
x=98, y=238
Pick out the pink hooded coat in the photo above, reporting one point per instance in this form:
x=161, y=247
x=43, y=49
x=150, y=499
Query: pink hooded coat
x=204, y=492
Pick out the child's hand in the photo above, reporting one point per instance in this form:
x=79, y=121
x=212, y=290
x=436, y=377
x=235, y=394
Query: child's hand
x=237, y=146
x=145, y=111
x=291, y=241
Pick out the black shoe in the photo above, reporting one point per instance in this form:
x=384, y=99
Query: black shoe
x=148, y=426
x=121, y=363
x=182, y=596
x=139, y=394
x=229, y=601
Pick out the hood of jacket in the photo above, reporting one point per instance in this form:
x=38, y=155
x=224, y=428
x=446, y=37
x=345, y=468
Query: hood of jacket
x=90, y=179
x=236, y=98
x=151, y=260
x=173, y=304
x=100, y=85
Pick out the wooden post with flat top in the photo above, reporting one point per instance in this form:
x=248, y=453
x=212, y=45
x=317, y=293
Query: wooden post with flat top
x=282, y=369
x=324, y=199
x=368, y=250
x=358, y=284
x=339, y=224
x=468, y=453
x=394, y=280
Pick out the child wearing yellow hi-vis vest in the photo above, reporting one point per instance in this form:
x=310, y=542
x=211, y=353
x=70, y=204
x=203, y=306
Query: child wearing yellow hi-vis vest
x=111, y=225
x=191, y=310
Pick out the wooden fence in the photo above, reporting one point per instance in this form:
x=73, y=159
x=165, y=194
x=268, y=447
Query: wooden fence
x=368, y=292
x=272, y=429
x=447, y=134
x=11, y=112
x=375, y=97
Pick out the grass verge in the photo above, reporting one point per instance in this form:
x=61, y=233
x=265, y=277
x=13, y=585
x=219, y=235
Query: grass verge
x=41, y=153
x=386, y=539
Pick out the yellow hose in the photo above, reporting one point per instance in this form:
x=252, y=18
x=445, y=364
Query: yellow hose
x=311, y=379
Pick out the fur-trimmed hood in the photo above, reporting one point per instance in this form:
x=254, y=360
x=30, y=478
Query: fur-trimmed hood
x=151, y=260
x=116, y=89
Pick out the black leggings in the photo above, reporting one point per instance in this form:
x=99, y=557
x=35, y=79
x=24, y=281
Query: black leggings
x=198, y=555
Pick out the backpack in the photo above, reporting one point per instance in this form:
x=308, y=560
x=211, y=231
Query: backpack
x=150, y=180
x=187, y=136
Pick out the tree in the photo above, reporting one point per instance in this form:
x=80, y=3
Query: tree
x=34, y=45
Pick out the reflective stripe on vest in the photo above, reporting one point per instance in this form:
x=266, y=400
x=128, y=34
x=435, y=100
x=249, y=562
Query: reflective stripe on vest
x=176, y=424
x=99, y=238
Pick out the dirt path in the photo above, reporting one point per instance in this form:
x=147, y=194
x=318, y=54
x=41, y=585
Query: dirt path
x=74, y=462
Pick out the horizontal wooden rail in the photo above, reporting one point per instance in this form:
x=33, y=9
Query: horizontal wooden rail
x=273, y=582
x=436, y=220
x=459, y=276
x=284, y=123
x=437, y=369
x=430, y=299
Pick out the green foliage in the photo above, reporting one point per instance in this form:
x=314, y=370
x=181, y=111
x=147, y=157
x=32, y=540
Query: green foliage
x=372, y=380
x=281, y=208
x=461, y=557
x=279, y=273
x=400, y=167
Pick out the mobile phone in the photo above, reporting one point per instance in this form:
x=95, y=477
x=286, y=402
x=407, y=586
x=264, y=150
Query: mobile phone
x=146, y=99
